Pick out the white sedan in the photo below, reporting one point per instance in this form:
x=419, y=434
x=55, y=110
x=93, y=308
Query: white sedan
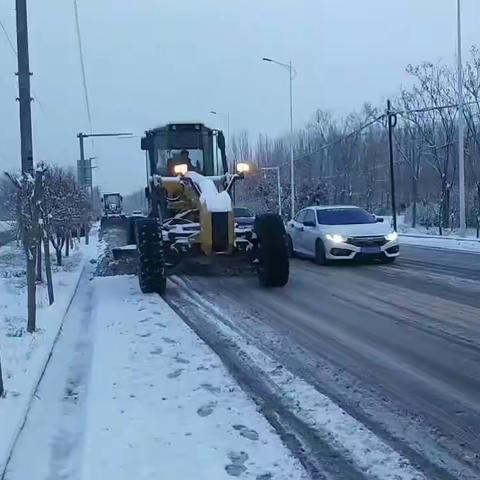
x=341, y=233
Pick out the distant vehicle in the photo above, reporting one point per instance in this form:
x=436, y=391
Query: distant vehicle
x=341, y=233
x=137, y=213
x=112, y=204
x=112, y=215
x=243, y=216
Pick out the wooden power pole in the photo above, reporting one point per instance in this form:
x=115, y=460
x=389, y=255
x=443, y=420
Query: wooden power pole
x=30, y=232
x=24, y=97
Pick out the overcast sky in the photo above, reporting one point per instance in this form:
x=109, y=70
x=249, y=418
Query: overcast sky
x=153, y=61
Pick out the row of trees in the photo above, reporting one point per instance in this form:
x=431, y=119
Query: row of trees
x=48, y=209
x=342, y=161
x=51, y=208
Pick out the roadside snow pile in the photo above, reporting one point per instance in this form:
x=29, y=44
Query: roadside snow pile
x=162, y=405
x=450, y=243
x=6, y=226
x=24, y=355
x=428, y=237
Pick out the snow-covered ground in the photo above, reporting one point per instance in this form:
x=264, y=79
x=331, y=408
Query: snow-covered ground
x=24, y=355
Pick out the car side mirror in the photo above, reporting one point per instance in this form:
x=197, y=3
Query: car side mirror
x=379, y=219
x=308, y=223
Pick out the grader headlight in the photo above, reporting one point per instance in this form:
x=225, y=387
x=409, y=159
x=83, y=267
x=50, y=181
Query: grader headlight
x=181, y=169
x=243, y=168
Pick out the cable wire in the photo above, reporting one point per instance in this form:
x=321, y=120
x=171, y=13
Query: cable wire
x=82, y=65
x=344, y=137
x=14, y=50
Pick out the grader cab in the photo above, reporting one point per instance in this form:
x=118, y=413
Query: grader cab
x=112, y=211
x=190, y=216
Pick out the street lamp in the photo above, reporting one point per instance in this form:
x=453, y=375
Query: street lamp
x=227, y=117
x=461, y=125
x=279, y=188
x=290, y=69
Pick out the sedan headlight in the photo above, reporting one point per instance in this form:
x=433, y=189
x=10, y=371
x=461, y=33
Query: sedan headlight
x=391, y=236
x=336, y=238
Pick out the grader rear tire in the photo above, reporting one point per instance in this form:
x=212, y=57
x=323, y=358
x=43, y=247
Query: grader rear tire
x=151, y=261
x=274, y=265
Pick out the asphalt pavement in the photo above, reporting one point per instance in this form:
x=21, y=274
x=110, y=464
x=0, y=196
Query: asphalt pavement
x=396, y=346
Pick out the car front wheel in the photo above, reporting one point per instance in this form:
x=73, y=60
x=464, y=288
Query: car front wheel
x=320, y=257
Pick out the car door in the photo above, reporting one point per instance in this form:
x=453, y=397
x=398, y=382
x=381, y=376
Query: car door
x=308, y=235
x=295, y=229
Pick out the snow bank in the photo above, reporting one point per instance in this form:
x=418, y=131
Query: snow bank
x=162, y=405
x=471, y=245
x=214, y=201
x=425, y=237
x=6, y=226
x=25, y=355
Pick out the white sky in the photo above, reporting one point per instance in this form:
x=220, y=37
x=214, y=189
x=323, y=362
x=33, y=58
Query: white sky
x=153, y=61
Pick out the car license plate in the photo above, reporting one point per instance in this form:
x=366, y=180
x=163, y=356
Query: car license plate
x=370, y=250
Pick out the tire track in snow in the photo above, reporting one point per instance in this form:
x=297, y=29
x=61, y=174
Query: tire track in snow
x=356, y=445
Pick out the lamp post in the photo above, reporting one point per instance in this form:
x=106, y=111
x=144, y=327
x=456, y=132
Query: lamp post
x=461, y=125
x=227, y=118
x=290, y=69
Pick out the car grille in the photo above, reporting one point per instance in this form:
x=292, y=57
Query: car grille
x=367, y=241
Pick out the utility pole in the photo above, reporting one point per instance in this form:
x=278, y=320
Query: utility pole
x=24, y=97
x=461, y=126
x=392, y=121
x=30, y=232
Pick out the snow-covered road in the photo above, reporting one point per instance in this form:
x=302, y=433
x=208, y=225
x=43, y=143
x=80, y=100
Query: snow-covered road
x=395, y=347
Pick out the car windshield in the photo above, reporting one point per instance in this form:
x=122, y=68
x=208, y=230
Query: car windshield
x=344, y=216
x=242, y=212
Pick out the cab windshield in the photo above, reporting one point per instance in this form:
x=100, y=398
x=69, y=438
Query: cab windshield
x=112, y=200
x=167, y=159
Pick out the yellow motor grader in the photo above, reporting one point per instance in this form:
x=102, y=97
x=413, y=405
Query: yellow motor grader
x=190, y=213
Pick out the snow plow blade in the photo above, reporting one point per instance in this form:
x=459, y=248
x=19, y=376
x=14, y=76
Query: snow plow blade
x=115, y=222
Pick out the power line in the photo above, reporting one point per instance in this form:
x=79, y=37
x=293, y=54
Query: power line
x=429, y=109
x=344, y=137
x=377, y=119
x=82, y=65
x=14, y=50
